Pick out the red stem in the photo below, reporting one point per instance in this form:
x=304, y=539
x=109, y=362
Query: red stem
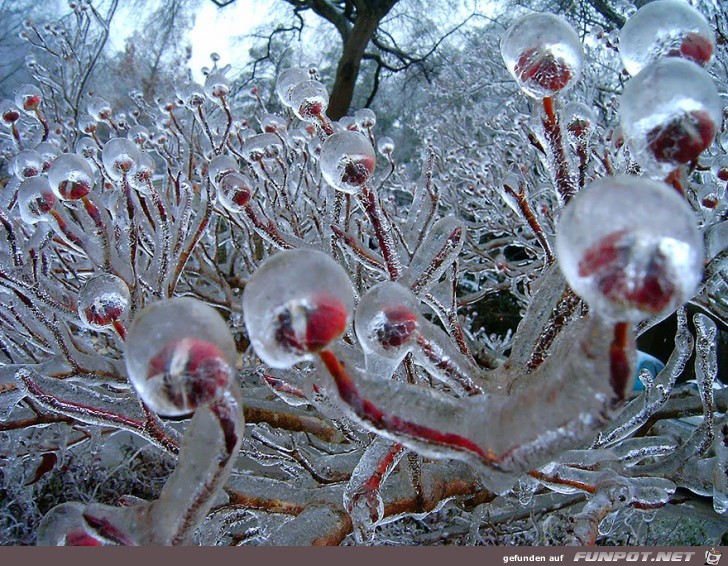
x=619, y=367
x=554, y=138
x=369, y=412
x=384, y=235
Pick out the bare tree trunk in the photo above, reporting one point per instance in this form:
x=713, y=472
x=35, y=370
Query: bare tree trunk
x=347, y=71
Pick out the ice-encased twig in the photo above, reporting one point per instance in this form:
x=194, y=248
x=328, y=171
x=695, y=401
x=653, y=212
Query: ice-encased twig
x=638, y=411
x=207, y=454
x=362, y=500
x=565, y=402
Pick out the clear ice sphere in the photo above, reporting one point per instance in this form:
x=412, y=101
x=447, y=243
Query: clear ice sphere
x=179, y=354
x=287, y=80
x=347, y=160
x=28, y=97
x=670, y=113
x=629, y=246
x=665, y=28
x=234, y=191
x=103, y=300
x=387, y=320
x=219, y=166
x=120, y=156
x=71, y=177
x=543, y=53
x=578, y=119
x=309, y=100
x=295, y=305
x=35, y=200
x=216, y=86
x=27, y=163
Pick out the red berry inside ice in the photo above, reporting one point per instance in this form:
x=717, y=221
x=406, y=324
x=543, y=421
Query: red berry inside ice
x=103, y=314
x=395, y=326
x=683, y=138
x=80, y=537
x=11, y=116
x=543, y=69
x=311, y=324
x=73, y=190
x=639, y=277
x=31, y=102
x=694, y=47
x=357, y=171
x=192, y=372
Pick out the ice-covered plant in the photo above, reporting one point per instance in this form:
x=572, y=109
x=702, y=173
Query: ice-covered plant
x=180, y=259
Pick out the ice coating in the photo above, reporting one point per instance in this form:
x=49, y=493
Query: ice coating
x=143, y=172
x=670, y=113
x=70, y=177
x=103, y=300
x=289, y=79
x=308, y=100
x=48, y=153
x=220, y=166
x=543, y=53
x=86, y=147
x=439, y=248
x=629, y=246
x=216, y=86
x=28, y=98
x=296, y=304
x=138, y=134
x=192, y=95
x=665, y=28
x=262, y=146
x=385, y=146
x=27, y=163
x=99, y=108
x=271, y=123
x=235, y=190
x=579, y=119
x=35, y=200
x=179, y=354
x=120, y=156
x=64, y=525
x=365, y=118
x=347, y=160
x=387, y=320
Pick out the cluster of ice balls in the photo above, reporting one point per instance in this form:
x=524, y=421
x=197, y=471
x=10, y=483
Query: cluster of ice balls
x=347, y=158
x=671, y=110
x=630, y=263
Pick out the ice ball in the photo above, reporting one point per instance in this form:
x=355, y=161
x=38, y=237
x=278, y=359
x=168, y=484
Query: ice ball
x=629, y=246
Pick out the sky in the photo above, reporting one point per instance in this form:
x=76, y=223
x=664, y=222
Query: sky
x=219, y=29
x=215, y=30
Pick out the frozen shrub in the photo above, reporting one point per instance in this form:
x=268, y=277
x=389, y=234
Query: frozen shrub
x=316, y=317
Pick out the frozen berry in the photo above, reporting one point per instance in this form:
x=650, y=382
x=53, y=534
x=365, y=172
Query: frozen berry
x=179, y=354
x=647, y=285
x=192, y=372
x=295, y=305
x=311, y=324
x=544, y=70
x=395, y=326
x=630, y=247
x=683, y=138
x=696, y=48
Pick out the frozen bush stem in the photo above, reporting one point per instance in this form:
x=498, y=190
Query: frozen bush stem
x=175, y=373
x=206, y=457
x=565, y=401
